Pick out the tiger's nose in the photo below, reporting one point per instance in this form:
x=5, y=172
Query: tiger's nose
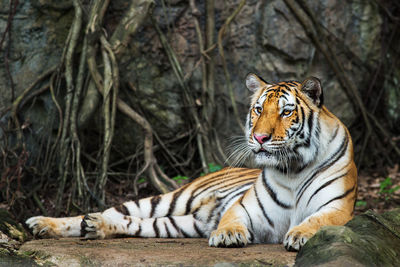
x=261, y=139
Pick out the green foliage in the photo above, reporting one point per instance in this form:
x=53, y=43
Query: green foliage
x=387, y=189
x=214, y=167
x=141, y=180
x=179, y=179
x=361, y=203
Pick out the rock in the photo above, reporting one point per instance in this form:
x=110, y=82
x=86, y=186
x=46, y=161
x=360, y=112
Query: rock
x=153, y=252
x=9, y=229
x=12, y=235
x=369, y=239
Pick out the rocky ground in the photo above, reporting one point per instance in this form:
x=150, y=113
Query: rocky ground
x=152, y=252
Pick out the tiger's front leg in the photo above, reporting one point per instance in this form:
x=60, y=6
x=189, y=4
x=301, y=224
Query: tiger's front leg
x=298, y=235
x=336, y=211
x=232, y=230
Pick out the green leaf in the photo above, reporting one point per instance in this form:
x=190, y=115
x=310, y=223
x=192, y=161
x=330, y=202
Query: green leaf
x=394, y=189
x=141, y=180
x=361, y=203
x=179, y=178
x=214, y=167
x=385, y=184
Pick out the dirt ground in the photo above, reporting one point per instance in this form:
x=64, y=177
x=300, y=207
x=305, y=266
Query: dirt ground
x=378, y=192
x=72, y=252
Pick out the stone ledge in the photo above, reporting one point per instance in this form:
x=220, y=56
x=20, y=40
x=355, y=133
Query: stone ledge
x=153, y=252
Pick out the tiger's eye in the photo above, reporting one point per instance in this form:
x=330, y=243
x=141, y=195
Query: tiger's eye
x=258, y=110
x=286, y=112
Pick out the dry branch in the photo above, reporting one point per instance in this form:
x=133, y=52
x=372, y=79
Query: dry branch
x=176, y=67
x=69, y=77
x=221, y=33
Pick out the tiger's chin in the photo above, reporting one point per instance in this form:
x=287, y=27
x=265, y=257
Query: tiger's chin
x=265, y=158
x=277, y=160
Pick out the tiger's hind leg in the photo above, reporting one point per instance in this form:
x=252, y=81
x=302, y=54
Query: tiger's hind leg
x=113, y=222
x=47, y=227
x=202, y=198
x=101, y=225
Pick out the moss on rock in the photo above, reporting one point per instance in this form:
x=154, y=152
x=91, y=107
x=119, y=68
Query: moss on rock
x=11, y=228
x=370, y=239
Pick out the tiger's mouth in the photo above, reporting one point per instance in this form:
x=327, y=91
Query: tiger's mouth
x=272, y=148
x=263, y=151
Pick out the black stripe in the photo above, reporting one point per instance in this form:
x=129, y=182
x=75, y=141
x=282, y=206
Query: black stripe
x=262, y=79
x=248, y=215
x=325, y=165
x=211, y=215
x=262, y=209
x=232, y=186
x=155, y=228
x=303, y=116
x=272, y=193
x=167, y=230
x=139, y=230
x=297, y=113
x=251, y=236
x=225, y=180
x=325, y=185
x=136, y=201
x=154, y=203
x=305, y=102
x=292, y=83
x=175, y=197
x=172, y=220
x=337, y=198
x=130, y=221
x=310, y=122
x=196, y=228
x=285, y=93
x=122, y=209
x=223, y=177
x=286, y=87
x=238, y=192
x=334, y=134
x=208, y=186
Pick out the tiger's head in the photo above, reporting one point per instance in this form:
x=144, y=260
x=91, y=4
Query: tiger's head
x=282, y=126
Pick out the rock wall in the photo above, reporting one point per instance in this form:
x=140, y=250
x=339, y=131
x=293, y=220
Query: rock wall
x=264, y=38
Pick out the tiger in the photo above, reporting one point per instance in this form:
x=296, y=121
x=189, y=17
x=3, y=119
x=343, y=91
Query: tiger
x=306, y=179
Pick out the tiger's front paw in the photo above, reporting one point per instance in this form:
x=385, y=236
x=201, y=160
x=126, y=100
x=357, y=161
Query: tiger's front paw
x=230, y=236
x=43, y=227
x=93, y=226
x=297, y=237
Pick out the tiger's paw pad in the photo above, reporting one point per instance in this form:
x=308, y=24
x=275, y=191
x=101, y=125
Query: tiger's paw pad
x=296, y=238
x=92, y=226
x=229, y=237
x=43, y=227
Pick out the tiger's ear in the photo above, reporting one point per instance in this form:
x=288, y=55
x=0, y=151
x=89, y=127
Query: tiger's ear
x=254, y=82
x=313, y=89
